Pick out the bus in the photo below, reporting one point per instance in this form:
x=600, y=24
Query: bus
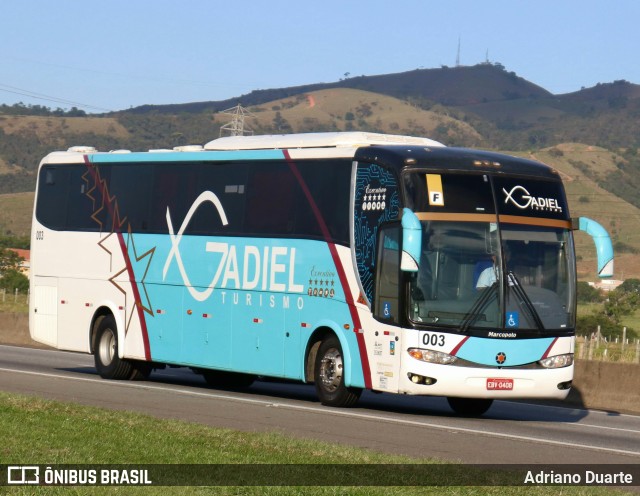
x=351, y=261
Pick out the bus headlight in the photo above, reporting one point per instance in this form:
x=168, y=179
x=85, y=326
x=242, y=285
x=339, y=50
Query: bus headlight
x=557, y=362
x=432, y=356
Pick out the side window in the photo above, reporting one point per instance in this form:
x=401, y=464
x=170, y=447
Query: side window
x=387, y=295
x=228, y=181
x=329, y=183
x=271, y=200
x=130, y=186
x=63, y=202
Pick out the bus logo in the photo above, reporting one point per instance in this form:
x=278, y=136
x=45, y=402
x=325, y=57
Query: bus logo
x=524, y=200
x=273, y=266
x=206, y=196
x=501, y=358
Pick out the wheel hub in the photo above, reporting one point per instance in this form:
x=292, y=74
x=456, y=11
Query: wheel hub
x=331, y=370
x=107, y=348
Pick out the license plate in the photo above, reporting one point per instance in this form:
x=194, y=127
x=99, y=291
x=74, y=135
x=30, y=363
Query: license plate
x=499, y=384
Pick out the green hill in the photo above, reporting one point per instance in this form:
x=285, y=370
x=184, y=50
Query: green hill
x=590, y=136
x=507, y=110
x=583, y=169
x=348, y=109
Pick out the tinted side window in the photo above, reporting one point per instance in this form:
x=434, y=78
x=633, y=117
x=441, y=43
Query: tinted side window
x=258, y=198
x=228, y=182
x=273, y=200
x=63, y=198
x=329, y=183
x=131, y=187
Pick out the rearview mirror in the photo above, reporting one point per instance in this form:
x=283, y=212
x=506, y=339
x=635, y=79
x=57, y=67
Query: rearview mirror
x=411, y=241
x=602, y=240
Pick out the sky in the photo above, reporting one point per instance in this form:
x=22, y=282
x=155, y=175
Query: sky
x=103, y=55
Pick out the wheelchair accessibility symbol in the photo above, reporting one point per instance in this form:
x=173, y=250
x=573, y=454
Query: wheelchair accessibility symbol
x=512, y=319
x=386, y=309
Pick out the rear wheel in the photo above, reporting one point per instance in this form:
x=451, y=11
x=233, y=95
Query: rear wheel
x=329, y=376
x=105, y=352
x=470, y=407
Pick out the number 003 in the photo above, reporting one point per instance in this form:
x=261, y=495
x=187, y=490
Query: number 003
x=433, y=339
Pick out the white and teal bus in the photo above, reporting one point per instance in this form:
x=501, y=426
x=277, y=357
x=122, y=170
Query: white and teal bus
x=349, y=260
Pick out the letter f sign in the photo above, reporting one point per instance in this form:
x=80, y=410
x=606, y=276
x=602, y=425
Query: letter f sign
x=434, y=187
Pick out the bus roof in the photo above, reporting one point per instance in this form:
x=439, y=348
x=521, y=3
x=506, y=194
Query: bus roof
x=300, y=146
x=453, y=159
x=396, y=151
x=315, y=140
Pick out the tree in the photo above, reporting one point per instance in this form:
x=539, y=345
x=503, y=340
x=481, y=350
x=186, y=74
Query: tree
x=588, y=324
x=9, y=260
x=281, y=124
x=620, y=303
x=14, y=279
x=631, y=285
x=587, y=293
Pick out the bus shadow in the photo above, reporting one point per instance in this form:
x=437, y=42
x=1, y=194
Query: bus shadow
x=572, y=410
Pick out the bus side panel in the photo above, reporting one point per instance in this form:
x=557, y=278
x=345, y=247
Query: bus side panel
x=43, y=316
x=258, y=342
x=242, y=304
x=75, y=275
x=384, y=351
x=207, y=331
x=65, y=276
x=76, y=305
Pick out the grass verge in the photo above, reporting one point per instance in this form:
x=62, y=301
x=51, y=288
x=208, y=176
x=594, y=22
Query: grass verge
x=38, y=431
x=10, y=305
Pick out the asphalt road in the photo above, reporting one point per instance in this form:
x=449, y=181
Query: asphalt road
x=510, y=432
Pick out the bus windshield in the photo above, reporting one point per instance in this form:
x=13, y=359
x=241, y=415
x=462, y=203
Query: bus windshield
x=467, y=279
x=485, y=270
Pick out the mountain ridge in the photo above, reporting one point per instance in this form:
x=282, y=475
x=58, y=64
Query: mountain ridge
x=455, y=86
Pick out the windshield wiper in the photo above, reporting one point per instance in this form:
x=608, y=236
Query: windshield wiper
x=480, y=304
x=514, y=283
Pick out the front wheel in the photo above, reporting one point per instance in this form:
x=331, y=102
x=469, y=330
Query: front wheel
x=108, y=364
x=470, y=407
x=329, y=376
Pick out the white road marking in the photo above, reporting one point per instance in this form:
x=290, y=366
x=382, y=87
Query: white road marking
x=326, y=411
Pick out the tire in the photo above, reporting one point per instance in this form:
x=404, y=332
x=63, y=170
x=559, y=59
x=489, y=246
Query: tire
x=141, y=370
x=227, y=380
x=329, y=376
x=105, y=352
x=470, y=407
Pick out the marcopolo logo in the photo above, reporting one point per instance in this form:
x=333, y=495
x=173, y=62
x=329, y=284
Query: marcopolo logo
x=521, y=198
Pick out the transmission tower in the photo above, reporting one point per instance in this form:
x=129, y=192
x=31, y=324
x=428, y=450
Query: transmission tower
x=237, y=126
x=458, y=54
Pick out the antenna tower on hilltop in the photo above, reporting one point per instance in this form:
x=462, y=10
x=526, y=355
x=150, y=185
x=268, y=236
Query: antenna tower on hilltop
x=236, y=127
x=458, y=55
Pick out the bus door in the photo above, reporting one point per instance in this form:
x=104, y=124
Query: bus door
x=387, y=309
